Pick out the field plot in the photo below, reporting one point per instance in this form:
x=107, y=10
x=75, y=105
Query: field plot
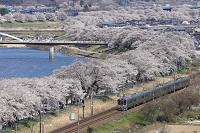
x=179, y=129
x=30, y=25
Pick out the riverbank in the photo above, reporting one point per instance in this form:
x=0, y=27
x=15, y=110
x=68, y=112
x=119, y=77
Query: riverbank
x=67, y=50
x=12, y=46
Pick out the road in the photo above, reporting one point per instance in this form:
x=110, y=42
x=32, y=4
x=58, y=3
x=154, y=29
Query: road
x=32, y=30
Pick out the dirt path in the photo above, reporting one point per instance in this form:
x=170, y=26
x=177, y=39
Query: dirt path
x=178, y=129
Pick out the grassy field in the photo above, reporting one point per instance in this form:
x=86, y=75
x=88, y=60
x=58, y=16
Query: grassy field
x=190, y=115
x=16, y=27
x=31, y=25
x=176, y=129
x=129, y=122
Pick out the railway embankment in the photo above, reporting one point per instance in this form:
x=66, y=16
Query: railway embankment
x=141, y=116
x=176, y=108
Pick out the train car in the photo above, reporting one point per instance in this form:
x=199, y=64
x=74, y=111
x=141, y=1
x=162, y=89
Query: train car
x=133, y=100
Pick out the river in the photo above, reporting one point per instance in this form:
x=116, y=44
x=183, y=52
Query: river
x=26, y=62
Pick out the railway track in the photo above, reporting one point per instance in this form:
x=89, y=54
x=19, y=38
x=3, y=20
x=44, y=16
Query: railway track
x=103, y=117
x=95, y=120
x=72, y=128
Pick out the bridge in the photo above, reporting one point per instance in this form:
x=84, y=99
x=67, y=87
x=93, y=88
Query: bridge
x=52, y=44
x=56, y=43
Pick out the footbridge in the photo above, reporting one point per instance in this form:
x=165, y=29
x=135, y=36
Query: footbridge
x=50, y=43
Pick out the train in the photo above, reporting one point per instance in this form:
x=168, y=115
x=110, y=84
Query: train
x=133, y=100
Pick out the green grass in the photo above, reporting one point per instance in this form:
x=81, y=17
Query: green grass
x=195, y=65
x=124, y=123
x=103, y=56
x=190, y=115
x=183, y=70
x=28, y=25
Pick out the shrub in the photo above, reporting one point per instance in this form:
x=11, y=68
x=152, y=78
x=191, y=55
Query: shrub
x=30, y=18
x=4, y=11
x=19, y=17
x=9, y=18
x=2, y=19
x=40, y=17
x=61, y=15
x=50, y=17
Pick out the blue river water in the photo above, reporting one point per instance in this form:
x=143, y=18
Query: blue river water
x=25, y=62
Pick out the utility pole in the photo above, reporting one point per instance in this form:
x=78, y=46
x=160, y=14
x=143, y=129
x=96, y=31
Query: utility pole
x=92, y=103
x=83, y=105
x=174, y=77
x=41, y=121
x=143, y=88
x=16, y=127
x=41, y=113
x=78, y=124
x=174, y=80
x=31, y=128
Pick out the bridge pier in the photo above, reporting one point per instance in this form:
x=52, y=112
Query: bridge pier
x=1, y=38
x=51, y=53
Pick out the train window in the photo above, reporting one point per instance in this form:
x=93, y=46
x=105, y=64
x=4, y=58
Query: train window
x=124, y=102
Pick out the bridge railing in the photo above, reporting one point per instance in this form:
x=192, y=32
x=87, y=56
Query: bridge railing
x=52, y=43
